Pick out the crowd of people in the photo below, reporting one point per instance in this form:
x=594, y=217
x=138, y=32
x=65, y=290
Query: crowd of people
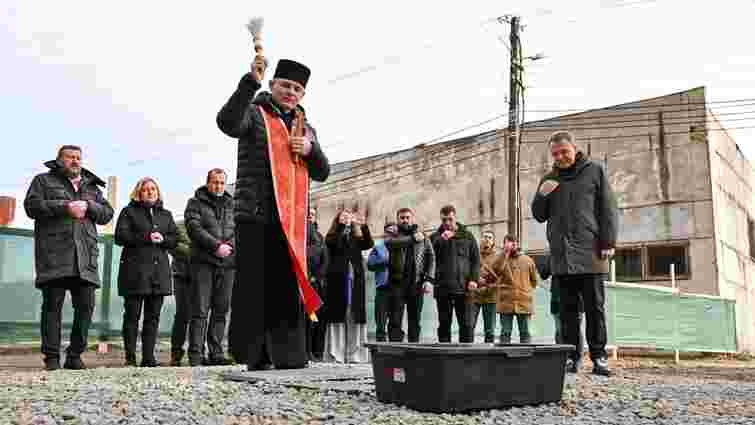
x=292, y=294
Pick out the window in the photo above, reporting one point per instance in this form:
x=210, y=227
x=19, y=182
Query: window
x=660, y=258
x=751, y=233
x=628, y=264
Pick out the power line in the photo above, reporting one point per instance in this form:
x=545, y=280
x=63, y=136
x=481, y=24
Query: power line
x=491, y=136
x=673, y=107
x=455, y=161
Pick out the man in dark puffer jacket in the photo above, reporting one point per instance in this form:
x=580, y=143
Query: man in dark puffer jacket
x=576, y=200
x=267, y=318
x=209, y=221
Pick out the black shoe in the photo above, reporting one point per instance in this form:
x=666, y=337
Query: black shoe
x=218, y=361
x=74, y=363
x=150, y=363
x=260, y=366
x=600, y=367
x=573, y=366
x=52, y=364
x=196, y=362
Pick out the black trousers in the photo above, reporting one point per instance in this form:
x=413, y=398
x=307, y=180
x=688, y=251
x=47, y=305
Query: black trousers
x=267, y=316
x=382, y=310
x=413, y=301
x=182, y=294
x=53, y=296
x=447, y=305
x=211, y=298
x=316, y=330
x=592, y=290
x=134, y=304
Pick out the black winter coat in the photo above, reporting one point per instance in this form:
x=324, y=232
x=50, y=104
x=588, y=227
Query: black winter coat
x=209, y=221
x=144, y=267
x=457, y=262
x=342, y=251
x=582, y=218
x=64, y=246
x=317, y=254
x=239, y=118
x=182, y=253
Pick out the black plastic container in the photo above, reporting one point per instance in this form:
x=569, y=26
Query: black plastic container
x=447, y=378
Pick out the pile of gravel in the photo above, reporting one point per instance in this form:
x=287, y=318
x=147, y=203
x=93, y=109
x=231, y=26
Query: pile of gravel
x=179, y=396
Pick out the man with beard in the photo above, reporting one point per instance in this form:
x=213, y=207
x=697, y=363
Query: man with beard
x=517, y=278
x=209, y=221
x=458, y=270
x=66, y=204
x=275, y=164
x=576, y=200
x=484, y=297
x=411, y=265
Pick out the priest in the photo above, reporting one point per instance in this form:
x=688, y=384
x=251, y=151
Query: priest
x=278, y=153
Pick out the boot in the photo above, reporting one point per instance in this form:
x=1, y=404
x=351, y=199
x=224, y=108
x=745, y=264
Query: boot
x=525, y=339
x=505, y=339
x=74, y=363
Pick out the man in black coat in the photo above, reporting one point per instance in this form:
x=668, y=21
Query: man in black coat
x=181, y=293
x=576, y=200
x=457, y=259
x=317, y=263
x=209, y=222
x=66, y=204
x=411, y=268
x=267, y=315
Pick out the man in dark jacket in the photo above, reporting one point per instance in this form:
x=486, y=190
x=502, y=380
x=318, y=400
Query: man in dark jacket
x=377, y=262
x=267, y=316
x=181, y=293
x=209, y=222
x=411, y=267
x=317, y=264
x=66, y=204
x=576, y=200
x=458, y=270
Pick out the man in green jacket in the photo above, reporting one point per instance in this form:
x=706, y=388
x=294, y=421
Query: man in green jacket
x=182, y=294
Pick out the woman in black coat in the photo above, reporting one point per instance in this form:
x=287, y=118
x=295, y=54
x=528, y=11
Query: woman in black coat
x=346, y=314
x=146, y=231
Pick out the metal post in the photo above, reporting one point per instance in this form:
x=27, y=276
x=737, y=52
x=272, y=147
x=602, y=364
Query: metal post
x=676, y=318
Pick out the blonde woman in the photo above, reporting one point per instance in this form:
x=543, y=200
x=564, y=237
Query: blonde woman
x=146, y=231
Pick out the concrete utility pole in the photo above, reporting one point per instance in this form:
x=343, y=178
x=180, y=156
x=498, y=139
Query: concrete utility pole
x=514, y=83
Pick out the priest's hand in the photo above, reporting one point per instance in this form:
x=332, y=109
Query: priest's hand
x=300, y=145
x=258, y=68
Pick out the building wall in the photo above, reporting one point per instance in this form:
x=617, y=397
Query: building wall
x=658, y=167
x=732, y=182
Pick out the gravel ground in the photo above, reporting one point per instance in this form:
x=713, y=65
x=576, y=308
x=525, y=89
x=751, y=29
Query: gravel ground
x=641, y=392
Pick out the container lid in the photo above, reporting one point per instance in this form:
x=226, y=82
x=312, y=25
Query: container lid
x=468, y=349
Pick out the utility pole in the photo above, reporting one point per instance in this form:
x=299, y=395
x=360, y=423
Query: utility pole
x=513, y=131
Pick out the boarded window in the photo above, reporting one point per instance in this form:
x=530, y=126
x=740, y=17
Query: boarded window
x=660, y=258
x=751, y=233
x=628, y=264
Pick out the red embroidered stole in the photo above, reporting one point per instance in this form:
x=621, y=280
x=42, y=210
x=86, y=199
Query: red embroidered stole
x=291, y=183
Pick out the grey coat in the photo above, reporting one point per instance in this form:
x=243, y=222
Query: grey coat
x=582, y=218
x=65, y=246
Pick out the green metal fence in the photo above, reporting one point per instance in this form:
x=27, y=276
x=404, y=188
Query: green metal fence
x=637, y=315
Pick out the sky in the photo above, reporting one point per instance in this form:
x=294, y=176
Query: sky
x=138, y=84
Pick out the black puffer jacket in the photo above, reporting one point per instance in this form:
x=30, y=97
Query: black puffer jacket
x=458, y=261
x=64, y=246
x=144, y=267
x=209, y=221
x=239, y=118
x=582, y=218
